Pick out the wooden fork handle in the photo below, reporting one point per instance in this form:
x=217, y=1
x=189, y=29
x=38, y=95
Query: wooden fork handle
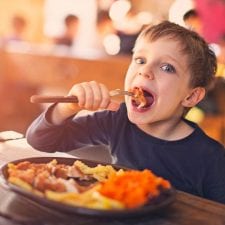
x=52, y=99
x=71, y=99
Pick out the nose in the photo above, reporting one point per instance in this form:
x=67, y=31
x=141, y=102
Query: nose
x=149, y=75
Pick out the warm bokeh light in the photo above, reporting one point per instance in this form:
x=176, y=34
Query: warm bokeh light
x=144, y=17
x=178, y=9
x=216, y=48
x=111, y=44
x=119, y=9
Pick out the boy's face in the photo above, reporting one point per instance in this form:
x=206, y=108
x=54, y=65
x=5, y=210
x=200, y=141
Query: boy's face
x=161, y=70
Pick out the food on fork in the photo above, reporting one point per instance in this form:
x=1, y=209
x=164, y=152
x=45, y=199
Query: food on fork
x=138, y=97
x=108, y=188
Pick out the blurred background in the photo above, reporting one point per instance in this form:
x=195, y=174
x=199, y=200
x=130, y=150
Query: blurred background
x=48, y=45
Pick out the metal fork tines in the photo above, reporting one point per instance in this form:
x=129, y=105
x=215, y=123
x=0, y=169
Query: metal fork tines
x=118, y=92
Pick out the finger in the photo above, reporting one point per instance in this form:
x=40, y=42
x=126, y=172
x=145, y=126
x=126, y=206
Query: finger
x=105, y=97
x=97, y=94
x=78, y=91
x=89, y=95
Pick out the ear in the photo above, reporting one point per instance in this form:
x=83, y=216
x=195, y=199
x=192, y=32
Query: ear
x=194, y=97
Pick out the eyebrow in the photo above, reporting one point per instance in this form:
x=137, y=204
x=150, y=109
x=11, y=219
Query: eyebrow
x=176, y=61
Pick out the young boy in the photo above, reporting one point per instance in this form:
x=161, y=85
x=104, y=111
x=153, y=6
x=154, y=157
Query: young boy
x=174, y=67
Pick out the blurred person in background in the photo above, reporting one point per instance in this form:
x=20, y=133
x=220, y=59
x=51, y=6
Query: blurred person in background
x=211, y=108
x=104, y=24
x=17, y=104
x=18, y=26
x=193, y=21
x=221, y=57
x=129, y=32
x=212, y=14
x=71, y=28
x=199, y=20
x=104, y=30
x=220, y=84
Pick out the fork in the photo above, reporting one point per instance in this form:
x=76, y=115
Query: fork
x=71, y=99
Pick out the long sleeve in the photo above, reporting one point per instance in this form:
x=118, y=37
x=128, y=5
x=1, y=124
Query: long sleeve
x=75, y=132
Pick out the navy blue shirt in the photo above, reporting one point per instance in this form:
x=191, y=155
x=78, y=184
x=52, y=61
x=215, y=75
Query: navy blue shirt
x=194, y=164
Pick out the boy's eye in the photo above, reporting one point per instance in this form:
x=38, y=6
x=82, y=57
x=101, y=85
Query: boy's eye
x=139, y=60
x=168, y=68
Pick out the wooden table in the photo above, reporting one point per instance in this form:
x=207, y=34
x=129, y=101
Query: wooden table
x=15, y=209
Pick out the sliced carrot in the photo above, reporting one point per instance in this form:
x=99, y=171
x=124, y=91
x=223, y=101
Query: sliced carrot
x=133, y=188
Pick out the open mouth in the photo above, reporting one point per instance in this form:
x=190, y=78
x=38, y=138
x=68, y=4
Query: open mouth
x=142, y=99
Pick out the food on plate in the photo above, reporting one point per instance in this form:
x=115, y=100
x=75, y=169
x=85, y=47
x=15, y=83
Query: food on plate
x=90, y=199
x=99, y=172
x=134, y=188
x=105, y=187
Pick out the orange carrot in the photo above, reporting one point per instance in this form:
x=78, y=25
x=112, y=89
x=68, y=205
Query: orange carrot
x=133, y=188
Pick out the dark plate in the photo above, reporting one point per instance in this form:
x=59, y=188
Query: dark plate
x=161, y=202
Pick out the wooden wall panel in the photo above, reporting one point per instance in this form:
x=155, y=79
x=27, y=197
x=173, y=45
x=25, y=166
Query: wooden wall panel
x=23, y=75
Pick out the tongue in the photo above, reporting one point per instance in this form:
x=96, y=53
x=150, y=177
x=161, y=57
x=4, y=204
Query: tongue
x=149, y=100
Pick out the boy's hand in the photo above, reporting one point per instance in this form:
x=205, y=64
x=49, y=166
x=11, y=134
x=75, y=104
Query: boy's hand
x=91, y=96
